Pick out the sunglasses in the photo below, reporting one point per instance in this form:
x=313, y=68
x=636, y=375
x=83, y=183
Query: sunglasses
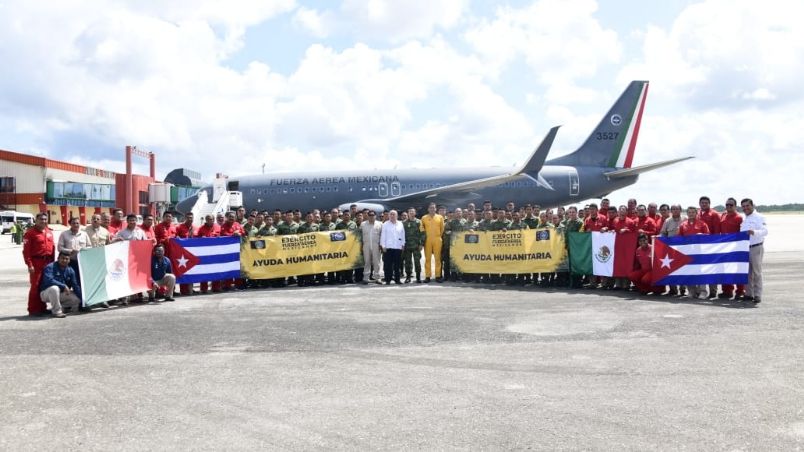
x=729, y=204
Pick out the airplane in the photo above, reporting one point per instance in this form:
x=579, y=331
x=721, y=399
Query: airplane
x=599, y=166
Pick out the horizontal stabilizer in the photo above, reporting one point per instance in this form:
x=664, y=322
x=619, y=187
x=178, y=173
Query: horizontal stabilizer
x=637, y=170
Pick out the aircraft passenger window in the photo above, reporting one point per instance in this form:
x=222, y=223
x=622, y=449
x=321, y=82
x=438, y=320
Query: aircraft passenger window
x=292, y=189
x=328, y=189
x=284, y=191
x=364, y=189
x=336, y=188
x=253, y=191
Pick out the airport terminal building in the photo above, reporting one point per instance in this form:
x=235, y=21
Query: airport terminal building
x=64, y=190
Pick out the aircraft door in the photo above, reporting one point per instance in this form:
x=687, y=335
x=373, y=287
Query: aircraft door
x=574, y=182
x=382, y=189
x=396, y=189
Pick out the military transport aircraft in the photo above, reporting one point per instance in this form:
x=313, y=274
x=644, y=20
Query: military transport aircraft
x=601, y=165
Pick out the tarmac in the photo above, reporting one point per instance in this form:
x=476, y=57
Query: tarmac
x=434, y=367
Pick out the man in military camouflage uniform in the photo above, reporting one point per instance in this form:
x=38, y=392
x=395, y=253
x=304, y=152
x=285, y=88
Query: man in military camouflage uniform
x=414, y=242
x=471, y=224
x=530, y=219
x=309, y=225
x=287, y=227
x=346, y=224
x=572, y=224
x=455, y=225
x=444, y=245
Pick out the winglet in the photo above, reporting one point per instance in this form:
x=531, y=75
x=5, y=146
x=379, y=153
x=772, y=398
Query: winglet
x=536, y=161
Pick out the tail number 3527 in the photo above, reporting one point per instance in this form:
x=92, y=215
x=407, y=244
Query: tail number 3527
x=606, y=135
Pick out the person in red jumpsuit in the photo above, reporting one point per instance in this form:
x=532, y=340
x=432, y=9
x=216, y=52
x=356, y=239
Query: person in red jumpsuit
x=595, y=222
x=653, y=213
x=117, y=223
x=664, y=213
x=632, y=209
x=644, y=223
x=712, y=220
x=165, y=230
x=186, y=230
x=730, y=223
x=147, y=227
x=38, y=250
x=229, y=228
x=694, y=226
x=621, y=224
x=643, y=266
x=209, y=229
x=611, y=216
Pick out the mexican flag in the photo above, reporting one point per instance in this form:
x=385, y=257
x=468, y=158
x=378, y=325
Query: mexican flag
x=115, y=270
x=602, y=253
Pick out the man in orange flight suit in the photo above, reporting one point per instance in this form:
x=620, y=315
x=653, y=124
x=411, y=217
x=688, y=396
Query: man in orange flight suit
x=38, y=250
x=730, y=223
x=186, y=231
x=433, y=228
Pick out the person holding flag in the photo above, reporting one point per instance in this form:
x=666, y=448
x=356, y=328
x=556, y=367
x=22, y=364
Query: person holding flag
x=186, y=230
x=643, y=264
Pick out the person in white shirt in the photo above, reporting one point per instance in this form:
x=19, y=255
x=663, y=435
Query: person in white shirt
x=131, y=232
x=72, y=241
x=754, y=223
x=392, y=242
x=98, y=235
x=371, y=231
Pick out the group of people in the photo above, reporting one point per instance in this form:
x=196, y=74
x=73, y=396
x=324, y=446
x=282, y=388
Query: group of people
x=397, y=241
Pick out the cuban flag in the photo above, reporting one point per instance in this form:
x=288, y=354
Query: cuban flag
x=205, y=259
x=701, y=259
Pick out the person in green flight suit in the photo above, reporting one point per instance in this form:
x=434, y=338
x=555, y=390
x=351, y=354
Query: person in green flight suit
x=414, y=242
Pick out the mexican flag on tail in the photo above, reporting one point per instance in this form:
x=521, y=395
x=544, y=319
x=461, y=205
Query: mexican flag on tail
x=115, y=270
x=602, y=253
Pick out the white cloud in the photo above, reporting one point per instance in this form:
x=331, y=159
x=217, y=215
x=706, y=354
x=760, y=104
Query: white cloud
x=385, y=20
x=728, y=54
x=319, y=24
x=559, y=40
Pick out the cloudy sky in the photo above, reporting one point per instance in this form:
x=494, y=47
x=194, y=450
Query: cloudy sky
x=304, y=84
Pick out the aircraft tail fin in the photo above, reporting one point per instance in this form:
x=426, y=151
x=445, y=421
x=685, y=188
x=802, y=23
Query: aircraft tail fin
x=612, y=142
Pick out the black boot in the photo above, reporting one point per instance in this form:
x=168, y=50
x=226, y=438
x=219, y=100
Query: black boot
x=418, y=278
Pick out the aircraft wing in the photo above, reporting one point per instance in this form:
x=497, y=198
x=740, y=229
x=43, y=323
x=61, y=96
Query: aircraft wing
x=637, y=170
x=460, y=190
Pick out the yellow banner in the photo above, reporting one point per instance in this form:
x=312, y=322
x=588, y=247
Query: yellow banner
x=510, y=252
x=301, y=254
